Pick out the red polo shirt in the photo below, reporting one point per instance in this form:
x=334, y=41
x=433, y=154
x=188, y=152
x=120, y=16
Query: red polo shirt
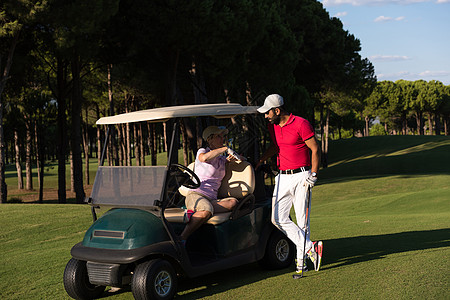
x=290, y=141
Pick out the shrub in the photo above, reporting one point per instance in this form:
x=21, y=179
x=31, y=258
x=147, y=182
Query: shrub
x=377, y=129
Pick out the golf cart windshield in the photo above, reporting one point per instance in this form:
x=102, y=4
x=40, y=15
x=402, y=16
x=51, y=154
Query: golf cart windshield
x=128, y=186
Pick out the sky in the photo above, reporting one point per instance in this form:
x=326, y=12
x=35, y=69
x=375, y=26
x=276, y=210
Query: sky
x=403, y=39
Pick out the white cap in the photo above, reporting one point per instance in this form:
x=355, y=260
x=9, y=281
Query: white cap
x=271, y=101
x=210, y=130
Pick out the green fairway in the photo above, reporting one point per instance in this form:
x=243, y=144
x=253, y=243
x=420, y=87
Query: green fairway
x=382, y=209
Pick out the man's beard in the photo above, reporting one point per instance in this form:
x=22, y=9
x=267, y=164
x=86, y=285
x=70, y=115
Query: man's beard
x=275, y=120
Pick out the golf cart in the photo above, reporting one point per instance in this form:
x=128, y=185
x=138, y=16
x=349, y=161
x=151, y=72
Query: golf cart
x=135, y=241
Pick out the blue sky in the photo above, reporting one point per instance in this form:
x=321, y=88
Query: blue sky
x=404, y=39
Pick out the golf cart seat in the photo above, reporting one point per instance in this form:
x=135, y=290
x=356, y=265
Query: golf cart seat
x=239, y=182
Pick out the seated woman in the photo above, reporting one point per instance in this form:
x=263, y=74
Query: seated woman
x=210, y=168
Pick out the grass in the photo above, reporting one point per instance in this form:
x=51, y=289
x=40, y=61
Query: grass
x=381, y=208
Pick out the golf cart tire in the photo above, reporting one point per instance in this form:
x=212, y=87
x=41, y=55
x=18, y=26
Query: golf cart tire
x=154, y=279
x=279, y=252
x=76, y=281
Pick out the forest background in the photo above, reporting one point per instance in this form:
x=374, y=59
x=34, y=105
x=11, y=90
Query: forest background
x=64, y=64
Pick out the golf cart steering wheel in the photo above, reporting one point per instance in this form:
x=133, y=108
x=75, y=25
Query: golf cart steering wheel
x=184, y=176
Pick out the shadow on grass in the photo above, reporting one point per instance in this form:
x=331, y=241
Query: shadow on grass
x=347, y=251
x=222, y=281
x=337, y=252
x=386, y=156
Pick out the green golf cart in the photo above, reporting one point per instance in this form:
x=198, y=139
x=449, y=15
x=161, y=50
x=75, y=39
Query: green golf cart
x=135, y=240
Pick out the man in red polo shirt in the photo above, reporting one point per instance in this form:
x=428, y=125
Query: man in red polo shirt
x=298, y=157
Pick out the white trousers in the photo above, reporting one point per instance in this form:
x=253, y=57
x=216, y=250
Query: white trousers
x=291, y=189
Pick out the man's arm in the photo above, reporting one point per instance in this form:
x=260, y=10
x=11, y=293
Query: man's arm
x=315, y=153
x=271, y=151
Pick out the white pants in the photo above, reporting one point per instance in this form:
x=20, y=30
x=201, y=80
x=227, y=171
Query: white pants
x=291, y=189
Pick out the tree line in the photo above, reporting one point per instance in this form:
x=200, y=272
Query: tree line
x=411, y=107
x=64, y=64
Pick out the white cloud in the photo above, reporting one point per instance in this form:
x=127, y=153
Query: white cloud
x=434, y=73
x=382, y=19
x=385, y=58
x=342, y=14
x=387, y=19
x=442, y=1
x=328, y=3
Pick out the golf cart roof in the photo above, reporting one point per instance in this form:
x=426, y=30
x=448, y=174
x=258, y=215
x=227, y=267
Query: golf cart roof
x=162, y=114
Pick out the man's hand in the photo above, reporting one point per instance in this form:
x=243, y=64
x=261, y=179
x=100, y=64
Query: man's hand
x=311, y=180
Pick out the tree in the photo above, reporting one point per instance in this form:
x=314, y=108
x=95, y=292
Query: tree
x=13, y=16
x=75, y=27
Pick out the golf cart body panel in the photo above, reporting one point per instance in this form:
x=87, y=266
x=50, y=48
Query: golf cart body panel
x=144, y=217
x=125, y=229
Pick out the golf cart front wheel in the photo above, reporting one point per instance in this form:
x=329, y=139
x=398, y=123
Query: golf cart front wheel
x=279, y=251
x=154, y=279
x=76, y=281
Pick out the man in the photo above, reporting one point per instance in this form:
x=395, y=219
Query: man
x=298, y=157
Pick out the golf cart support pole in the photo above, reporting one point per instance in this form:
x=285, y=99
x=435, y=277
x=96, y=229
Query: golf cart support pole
x=102, y=160
x=171, y=149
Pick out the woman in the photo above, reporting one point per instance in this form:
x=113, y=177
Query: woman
x=210, y=168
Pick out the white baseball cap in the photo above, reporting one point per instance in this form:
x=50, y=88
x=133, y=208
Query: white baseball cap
x=271, y=101
x=210, y=130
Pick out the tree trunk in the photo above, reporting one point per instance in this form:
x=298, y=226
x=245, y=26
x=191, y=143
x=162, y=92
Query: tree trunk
x=123, y=128
x=4, y=75
x=99, y=138
x=366, y=129
x=28, y=165
x=129, y=152
x=86, y=149
x=326, y=131
x=76, y=129
x=446, y=120
x=136, y=144
x=112, y=138
x=39, y=160
x=72, y=180
x=322, y=137
x=430, y=124
x=171, y=100
x=165, y=144
x=61, y=78
x=419, y=121
x=437, y=122
x=137, y=135
x=184, y=143
x=141, y=144
x=199, y=88
x=18, y=165
x=404, y=124
x=120, y=144
x=152, y=143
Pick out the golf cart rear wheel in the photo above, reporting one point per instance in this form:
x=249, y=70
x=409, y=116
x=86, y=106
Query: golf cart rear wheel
x=154, y=279
x=76, y=281
x=279, y=251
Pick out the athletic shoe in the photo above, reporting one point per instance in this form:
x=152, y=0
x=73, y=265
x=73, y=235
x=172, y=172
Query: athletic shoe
x=315, y=254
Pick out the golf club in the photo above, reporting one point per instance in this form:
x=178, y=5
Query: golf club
x=308, y=199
